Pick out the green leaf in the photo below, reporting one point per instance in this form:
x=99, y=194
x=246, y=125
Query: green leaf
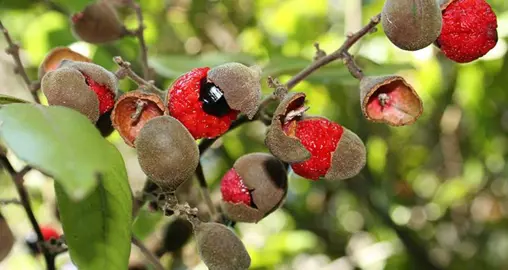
x=172, y=66
x=58, y=141
x=4, y=99
x=98, y=228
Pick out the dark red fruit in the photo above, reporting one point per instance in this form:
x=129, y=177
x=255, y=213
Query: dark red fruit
x=310, y=132
x=469, y=30
x=200, y=105
x=233, y=189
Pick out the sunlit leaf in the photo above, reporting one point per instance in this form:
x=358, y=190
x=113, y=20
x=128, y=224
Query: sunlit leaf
x=58, y=141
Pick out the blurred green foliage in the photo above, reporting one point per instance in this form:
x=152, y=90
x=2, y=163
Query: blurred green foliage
x=434, y=195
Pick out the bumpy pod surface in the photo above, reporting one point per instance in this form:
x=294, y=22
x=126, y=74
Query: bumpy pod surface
x=411, y=24
x=167, y=153
x=220, y=248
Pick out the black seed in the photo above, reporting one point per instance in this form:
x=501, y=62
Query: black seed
x=214, y=102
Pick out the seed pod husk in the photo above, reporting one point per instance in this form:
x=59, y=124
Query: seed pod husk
x=241, y=86
x=132, y=110
x=389, y=99
x=349, y=157
x=411, y=24
x=56, y=56
x=97, y=73
x=98, y=23
x=220, y=248
x=6, y=238
x=266, y=179
x=284, y=147
x=66, y=87
x=167, y=152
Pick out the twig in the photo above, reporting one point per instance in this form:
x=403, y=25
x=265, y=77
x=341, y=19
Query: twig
x=352, y=66
x=126, y=71
x=13, y=50
x=17, y=178
x=169, y=202
x=9, y=201
x=339, y=53
x=148, y=254
x=342, y=52
x=204, y=190
x=139, y=33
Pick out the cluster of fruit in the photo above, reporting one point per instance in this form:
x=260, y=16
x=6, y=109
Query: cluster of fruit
x=464, y=30
x=204, y=102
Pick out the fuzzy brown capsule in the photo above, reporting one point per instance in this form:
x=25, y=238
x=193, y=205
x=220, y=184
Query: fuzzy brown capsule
x=67, y=87
x=411, y=24
x=240, y=84
x=6, y=238
x=167, y=152
x=132, y=110
x=54, y=58
x=255, y=187
x=287, y=148
x=98, y=23
x=85, y=87
x=220, y=248
x=389, y=99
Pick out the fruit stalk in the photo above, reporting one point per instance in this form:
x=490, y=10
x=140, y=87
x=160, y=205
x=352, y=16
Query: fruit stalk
x=139, y=34
x=13, y=50
x=148, y=254
x=338, y=54
x=17, y=178
x=126, y=71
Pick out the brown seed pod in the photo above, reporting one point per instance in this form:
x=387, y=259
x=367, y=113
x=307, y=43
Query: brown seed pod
x=255, y=187
x=98, y=23
x=411, y=24
x=287, y=148
x=6, y=238
x=349, y=157
x=389, y=99
x=220, y=248
x=167, y=152
x=97, y=73
x=67, y=87
x=241, y=86
x=54, y=58
x=132, y=110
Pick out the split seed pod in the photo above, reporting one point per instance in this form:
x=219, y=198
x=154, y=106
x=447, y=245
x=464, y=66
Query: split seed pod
x=6, y=238
x=56, y=56
x=98, y=23
x=167, y=152
x=254, y=187
x=240, y=84
x=411, y=24
x=286, y=148
x=67, y=87
x=336, y=152
x=85, y=87
x=132, y=110
x=220, y=248
x=389, y=99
